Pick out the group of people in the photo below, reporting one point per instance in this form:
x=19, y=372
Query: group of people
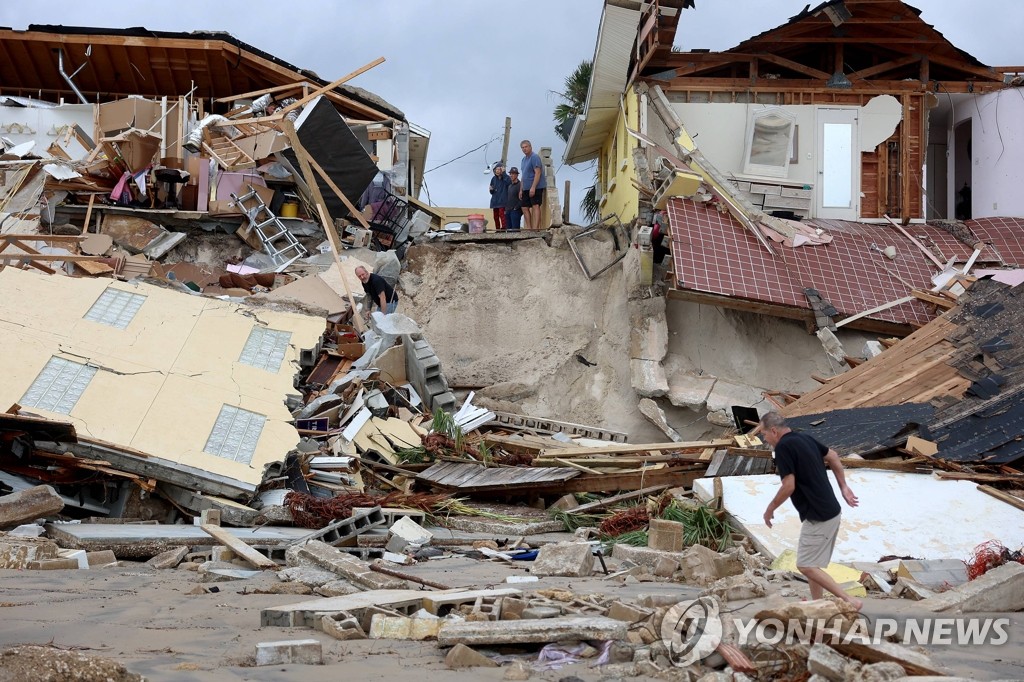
x=514, y=199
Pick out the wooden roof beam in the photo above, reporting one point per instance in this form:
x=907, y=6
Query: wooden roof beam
x=980, y=72
x=794, y=66
x=877, y=69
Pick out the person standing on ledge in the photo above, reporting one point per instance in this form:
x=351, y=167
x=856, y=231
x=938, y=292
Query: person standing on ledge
x=533, y=185
x=801, y=462
x=377, y=291
x=500, y=183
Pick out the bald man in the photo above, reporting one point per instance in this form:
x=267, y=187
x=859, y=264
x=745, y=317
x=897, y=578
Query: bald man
x=377, y=291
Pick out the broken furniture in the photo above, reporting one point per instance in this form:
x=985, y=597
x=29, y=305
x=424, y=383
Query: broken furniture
x=389, y=220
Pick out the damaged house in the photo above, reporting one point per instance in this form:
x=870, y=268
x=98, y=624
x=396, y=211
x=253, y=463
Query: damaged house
x=846, y=169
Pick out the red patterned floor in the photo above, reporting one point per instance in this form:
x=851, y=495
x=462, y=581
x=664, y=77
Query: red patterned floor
x=713, y=253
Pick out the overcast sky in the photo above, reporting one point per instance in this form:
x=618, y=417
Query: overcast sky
x=459, y=67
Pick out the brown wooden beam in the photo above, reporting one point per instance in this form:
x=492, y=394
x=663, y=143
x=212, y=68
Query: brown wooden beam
x=980, y=72
x=793, y=66
x=883, y=67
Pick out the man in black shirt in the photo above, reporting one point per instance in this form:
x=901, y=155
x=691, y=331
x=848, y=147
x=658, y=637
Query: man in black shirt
x=377, y=291
x=801, y=463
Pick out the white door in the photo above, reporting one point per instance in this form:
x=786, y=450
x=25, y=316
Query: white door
x=837, y=193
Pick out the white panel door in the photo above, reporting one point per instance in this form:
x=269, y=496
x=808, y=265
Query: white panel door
x=837, y=194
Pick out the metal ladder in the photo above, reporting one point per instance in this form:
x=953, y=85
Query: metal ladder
x=278, y=243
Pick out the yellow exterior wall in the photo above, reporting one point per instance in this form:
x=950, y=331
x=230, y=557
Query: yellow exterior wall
x=617, y=192
x=163, y=380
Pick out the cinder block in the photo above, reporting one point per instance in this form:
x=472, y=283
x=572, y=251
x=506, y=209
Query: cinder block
x=99, y=559
x=461, y=656
x=628, y=613
x=304, y=651
x=53, y=565
x=345, y=531
x=209, y=516
x=406, y=532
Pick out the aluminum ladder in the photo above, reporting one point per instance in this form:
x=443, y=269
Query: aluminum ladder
x=278, y=243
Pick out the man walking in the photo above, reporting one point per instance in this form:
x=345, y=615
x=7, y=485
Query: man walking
x=533, y=185
x=801, y=462
x=377, y=291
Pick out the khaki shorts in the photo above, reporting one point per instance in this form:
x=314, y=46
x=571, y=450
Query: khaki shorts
x=817, y=540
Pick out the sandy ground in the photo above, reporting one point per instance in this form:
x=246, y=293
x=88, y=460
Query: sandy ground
x=147, y=620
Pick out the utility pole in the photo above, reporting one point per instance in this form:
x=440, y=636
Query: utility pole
x=508, y=133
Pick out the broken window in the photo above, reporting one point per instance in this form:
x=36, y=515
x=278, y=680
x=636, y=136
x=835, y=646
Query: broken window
x=265, y=348
x=59, y=386
x=235, y=434
x=769, y=143
x=115, y=308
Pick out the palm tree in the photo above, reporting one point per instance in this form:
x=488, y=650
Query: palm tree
x=577, y=84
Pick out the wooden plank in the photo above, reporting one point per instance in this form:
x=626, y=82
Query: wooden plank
x=238, y=547
x=617, y=499
x=640, y=448
x=675, y=477
x=980, y=477
x=574, y=465
x=330, y=86
x=1006, y=497
x=935, y=299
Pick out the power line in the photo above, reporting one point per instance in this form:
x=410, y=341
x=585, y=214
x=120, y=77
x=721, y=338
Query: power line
x=460, y=156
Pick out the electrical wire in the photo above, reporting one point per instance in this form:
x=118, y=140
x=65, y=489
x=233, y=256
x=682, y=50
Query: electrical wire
x=461, y=156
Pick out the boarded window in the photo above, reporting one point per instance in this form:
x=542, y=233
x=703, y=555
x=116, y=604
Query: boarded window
x=235, y=434
x=115, y=308
x=59, y=386
x=265, y=348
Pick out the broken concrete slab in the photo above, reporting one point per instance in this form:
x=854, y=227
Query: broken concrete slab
x=309, y=612
x=132, y=541
x=648, y=379
x=324, y=556
x=304, y=651
x=628, y=613
x=570, y=559
x=1000, y=589
x=28, y=505
x=307, y=575
x=169, y=559
x=686, y=389
x=703, y=566
x=656, y=416
x=935, y=574
x=404, y=628
x=531, y=631
x=17, y=552
x=825, y=661
x=738, y=587
x=913, y=662
x=724, y=395
x=461, y=656
x=648, y=329
x=342, y=626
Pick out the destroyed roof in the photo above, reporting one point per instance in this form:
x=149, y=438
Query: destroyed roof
x=130, y=70
x=718, y=261
x=968, y=364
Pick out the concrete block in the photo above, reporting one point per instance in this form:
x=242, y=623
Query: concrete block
x=628, y=613
x=404, y=628
x=306, y=575
x=642, y=556
x=666, y=567
x=324, y=556
x=908, y=589
x=880, y=672
x=29, y=505
x=461, y=656
x=1001, y=589
x=441, y=603
x=344, y=532
x=53, y=565
x=78, y=555
x=665, y=535
x=393, y=514
x=168, y=559
x=702, y=566
x=222, y=554
x=100, y=559
x=342, y=626
x=336, y=588
x=825, y=661
x=407, y=532
x=512, y=608
x=564, y=503
x=648, y=378
x=737, y=587
x=572, y=559
x=209, y=516
x=304, y=651
x=542, y=631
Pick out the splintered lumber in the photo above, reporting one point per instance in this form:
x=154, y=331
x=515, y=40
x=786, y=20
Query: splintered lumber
x=640, y=448
x=1006, y=497
x=980, y=477
x=908, y=465
x=617, y=499
x=682, y=477
x=624, y=462
x=238, y=547
x=330, y=86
